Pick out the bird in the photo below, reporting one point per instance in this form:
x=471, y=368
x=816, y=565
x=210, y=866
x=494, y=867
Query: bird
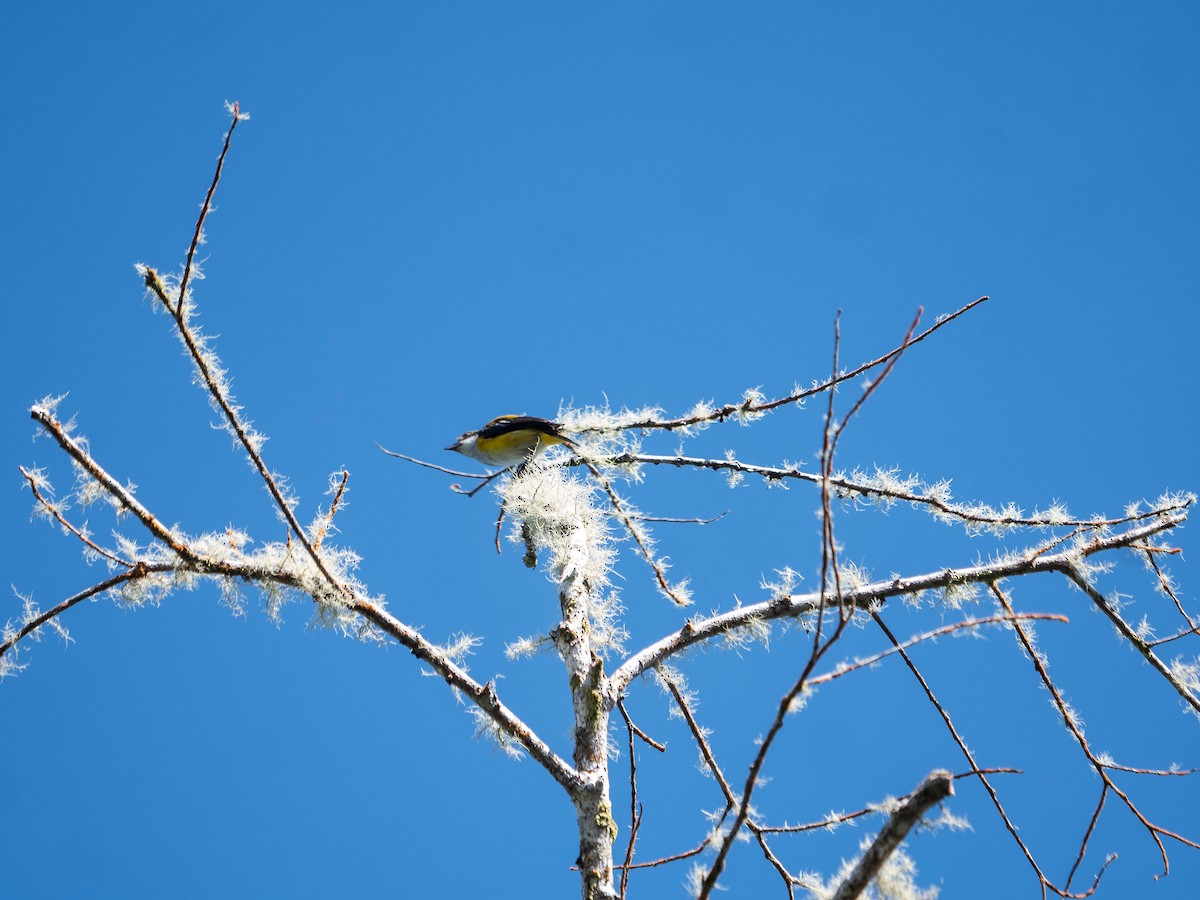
x=508, y=440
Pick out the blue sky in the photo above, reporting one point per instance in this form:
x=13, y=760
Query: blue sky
x=441, y=213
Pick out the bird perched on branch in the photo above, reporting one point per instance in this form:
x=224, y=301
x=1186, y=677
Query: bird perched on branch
x=509, y=440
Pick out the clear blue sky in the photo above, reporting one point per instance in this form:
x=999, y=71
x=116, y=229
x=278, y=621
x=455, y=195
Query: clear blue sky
x=443, y=212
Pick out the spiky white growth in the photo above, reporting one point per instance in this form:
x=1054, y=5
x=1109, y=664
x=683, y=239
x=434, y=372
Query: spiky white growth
x=48, y=407
x=563, y=517
x=834, y=820
x=525, y=647
x=457, y=649
x=10, y=664
x=1186, y=674
x=957, y=595
x=664, y=676
x=732, y=476
x=1070, y=715
x=895, y=880
x=703, y=412
x=776, y=484
x=208, y=371
x=603, y=418
x=784, y=584
x=280, y=569
x=747, y=411
x=693, y=883
x=948, y=820
x=1175, y=500
x=561, y=514
x=853, y=576
x=679, y=592
x=722, y=822
x=755, y=630
x=1087, y=568
x=1056, y=514
x=882, y=486
x=600, y=434
x=800, y=701
x=40, y=481
x=486, y=728
x=608, y=634
x=29, y=612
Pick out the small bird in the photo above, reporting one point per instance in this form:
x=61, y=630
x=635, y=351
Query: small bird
x=509, y=440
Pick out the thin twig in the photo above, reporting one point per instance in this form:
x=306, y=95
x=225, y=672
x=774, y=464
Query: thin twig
x=639, y=538
x=1164, y=585
x=53, y=510
x=874, y=385
x=645, y=738
x=333, y=509
x=428, y=465
x=676, y=521
x=138, y=571
x=635, y=814
x=665, y=860
x=741, y=806
x=198, y=233
x=828, y=546
x=1087, y=836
